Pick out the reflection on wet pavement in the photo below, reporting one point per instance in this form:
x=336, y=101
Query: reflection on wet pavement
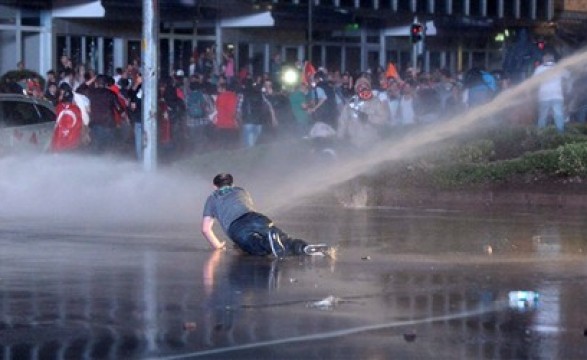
x=406, y=284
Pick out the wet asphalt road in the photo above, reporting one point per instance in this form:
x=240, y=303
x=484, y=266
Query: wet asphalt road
x=406, y=284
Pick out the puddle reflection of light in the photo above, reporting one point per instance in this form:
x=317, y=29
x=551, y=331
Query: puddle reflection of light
x=547, y=329
x=523, y=300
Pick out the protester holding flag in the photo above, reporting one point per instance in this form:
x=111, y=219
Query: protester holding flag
x=68, y=126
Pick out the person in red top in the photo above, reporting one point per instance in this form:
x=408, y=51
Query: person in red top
x=225, y=124
x=68, y=126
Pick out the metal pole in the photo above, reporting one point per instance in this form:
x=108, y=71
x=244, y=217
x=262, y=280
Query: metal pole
x=414, y=49
x=149, y=72
x=414, y=56
x=219, y=45
x=310, y=30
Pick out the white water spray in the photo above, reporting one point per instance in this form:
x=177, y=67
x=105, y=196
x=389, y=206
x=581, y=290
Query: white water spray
x=292, y=188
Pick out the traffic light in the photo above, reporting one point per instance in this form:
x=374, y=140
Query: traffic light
x=540, y=44
x=417, y=32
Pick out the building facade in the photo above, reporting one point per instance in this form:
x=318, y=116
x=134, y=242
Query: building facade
x=348, y=35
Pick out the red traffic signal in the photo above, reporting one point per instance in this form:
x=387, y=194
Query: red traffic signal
x=416, y=32
x=541, y=44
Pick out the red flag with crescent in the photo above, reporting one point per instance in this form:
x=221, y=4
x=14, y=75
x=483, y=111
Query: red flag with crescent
x=67, y=134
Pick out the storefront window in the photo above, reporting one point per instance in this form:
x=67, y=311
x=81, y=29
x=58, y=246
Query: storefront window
x=492, y=8
x=163, y=58
x=133, y=51
x=181, y=54
x=7, y=15
x=458, y=7
x=76, y=50
x=476, y=8
x=353, y=59
x=8, y=59
x=30, y=17
x=542, y=9
x=108, y=56
x=333, y=57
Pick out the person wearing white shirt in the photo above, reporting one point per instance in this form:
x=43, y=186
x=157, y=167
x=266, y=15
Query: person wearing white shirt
x=551, y=92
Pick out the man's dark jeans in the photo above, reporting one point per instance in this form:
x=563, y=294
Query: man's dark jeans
x=250, y=233
x=102, y=138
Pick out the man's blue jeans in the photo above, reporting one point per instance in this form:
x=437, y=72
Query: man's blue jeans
x=251, y=133
x=102, y=138
x=250, y=232
x=557, y=109
x=139, y=140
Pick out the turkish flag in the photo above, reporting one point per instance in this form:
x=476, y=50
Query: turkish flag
x=67, y=134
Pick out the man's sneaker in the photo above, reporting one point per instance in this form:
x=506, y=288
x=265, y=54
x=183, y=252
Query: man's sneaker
x=317, y=250
x=277, y=247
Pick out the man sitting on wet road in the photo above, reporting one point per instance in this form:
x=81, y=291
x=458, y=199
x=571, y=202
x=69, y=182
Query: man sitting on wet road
x=251, y=231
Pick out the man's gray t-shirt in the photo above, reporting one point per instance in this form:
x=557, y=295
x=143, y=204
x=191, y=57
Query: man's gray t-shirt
x=227, y=205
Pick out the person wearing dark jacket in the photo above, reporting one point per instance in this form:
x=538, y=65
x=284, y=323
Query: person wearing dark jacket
x=103, y=104
x=135, y=114
x=323, y=107
x=255, y=112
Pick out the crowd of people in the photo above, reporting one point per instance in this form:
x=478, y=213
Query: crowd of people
x=215, y=107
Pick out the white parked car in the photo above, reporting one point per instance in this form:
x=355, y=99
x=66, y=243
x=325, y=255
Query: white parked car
x=26, y=123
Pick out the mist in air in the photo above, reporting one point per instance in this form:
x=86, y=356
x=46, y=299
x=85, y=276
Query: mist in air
x=92, y=188
x=89, y=188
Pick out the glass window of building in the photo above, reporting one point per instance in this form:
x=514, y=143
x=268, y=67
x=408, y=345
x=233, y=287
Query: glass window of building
x=434, y=61
x=108, y=56
x=30, y=17
x=347, y=3
x=458, y=7
x=353, y=59
x=243, y=55
x=182, y=51
x=404, y=61
x=492, y=8
x=404, y=6
x=291, y=55
x=440, y=6
x=385, y=5
x=422, y=6
x=476, y=7
x=542, y=9
x=133, y=50
x=393, y=56
x=526, y=9
x=8, y=41
x=333, y=58
x=90, y=57
x=164, y=60
x=509, y=8
x=316, y=54
x=7, y=15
